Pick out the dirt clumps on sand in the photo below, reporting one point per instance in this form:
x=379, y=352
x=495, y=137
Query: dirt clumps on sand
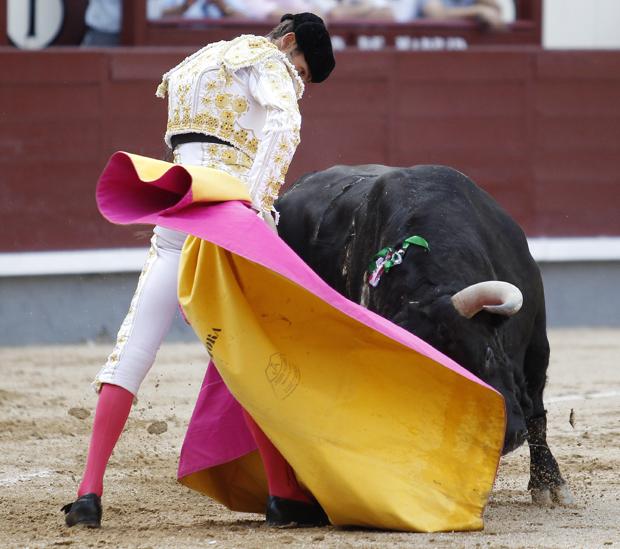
x=79, y=413
x=157, y=428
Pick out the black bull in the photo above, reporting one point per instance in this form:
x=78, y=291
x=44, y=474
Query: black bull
x=338, y=219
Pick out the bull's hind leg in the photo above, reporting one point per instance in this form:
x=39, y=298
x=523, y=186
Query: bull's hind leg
x=546, y=483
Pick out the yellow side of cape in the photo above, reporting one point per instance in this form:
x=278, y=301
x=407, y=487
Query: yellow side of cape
x=382, y=436
x=207, y=184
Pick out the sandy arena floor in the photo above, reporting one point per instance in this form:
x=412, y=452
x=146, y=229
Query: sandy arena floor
x=44, y=398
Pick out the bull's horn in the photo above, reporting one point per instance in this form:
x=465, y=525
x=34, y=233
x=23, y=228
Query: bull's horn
x=494, y=296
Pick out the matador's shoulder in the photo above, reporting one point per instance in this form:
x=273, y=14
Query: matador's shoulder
x=244, y=51
x=248, y=50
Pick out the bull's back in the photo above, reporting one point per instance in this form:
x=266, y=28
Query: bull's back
x=337, y=219
x=305, y=205
x=318, y=214
x=323, y=209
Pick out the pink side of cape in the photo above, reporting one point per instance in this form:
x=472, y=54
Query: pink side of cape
x=217, y=432
x=235, y=227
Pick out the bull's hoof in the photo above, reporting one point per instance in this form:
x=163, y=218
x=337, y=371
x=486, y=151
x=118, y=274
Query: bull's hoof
x=541, y=497
x=545, y=497
x=562, y=495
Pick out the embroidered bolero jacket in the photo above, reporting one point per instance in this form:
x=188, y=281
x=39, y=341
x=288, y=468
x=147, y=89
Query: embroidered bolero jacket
x=244, y=91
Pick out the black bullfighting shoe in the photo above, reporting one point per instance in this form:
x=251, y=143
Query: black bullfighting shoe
x=284, y=513
x=85, y=510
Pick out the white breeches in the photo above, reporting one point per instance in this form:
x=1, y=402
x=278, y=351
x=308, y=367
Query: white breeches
x=150, y=314
x=154, y=303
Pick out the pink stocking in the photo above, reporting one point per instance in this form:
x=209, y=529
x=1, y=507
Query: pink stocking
x=111, y=414
x=281, y=478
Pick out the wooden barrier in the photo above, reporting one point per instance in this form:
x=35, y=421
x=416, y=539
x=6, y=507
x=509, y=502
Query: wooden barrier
x=539, y=130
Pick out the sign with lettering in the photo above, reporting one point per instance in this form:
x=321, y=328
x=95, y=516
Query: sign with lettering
x=34, y=24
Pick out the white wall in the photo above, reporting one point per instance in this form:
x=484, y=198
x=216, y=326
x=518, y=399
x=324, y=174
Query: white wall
x=581, y=24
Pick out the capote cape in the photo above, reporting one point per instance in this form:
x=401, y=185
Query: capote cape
x=383, y=429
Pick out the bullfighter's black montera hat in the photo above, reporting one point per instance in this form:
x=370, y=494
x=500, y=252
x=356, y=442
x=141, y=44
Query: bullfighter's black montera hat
x=314, y=41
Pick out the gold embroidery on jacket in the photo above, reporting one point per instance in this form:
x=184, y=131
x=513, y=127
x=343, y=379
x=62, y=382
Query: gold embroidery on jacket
x=225, y=158
x=205, y=98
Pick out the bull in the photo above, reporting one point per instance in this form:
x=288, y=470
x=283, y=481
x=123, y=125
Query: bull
x=474, y=291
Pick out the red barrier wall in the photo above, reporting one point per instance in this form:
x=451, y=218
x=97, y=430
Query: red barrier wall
x=539, y=130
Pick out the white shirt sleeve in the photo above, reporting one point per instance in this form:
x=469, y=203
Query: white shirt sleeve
x=272, y=86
